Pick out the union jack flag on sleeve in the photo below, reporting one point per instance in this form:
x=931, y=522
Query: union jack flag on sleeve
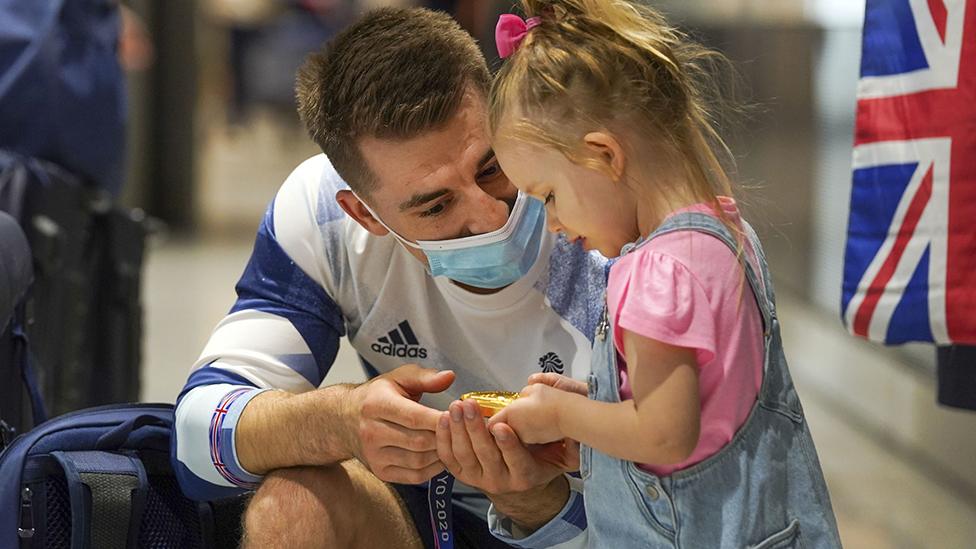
x=910, y=262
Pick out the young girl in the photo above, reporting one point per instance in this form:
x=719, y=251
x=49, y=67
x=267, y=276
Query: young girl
x=693, y=435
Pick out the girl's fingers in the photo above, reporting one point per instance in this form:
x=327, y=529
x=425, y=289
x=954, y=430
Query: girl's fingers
x=547, y=378
x=558, y=381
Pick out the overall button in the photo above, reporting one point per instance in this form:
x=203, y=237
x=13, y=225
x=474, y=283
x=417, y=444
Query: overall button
x=652, y=492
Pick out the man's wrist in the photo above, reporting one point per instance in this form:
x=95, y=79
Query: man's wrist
x=533, y=508
x=250, y=443
x=342, y=404
x=280, y=429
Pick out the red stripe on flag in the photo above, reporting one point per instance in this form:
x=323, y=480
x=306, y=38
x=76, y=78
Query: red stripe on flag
x=939, y=16
x=934, y=113
x=862, y=320
x=961, y=261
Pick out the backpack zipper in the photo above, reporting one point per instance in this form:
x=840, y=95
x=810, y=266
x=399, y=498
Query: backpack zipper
x=26, y=529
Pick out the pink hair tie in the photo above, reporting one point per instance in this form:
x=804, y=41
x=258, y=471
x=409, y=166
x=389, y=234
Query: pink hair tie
x=510, y=31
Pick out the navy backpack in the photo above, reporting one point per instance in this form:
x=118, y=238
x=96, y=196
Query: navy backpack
x=101, y=478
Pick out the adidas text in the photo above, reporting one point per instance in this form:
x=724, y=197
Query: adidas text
x=401, y=351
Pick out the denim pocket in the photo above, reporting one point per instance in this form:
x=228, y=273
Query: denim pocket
x=787, y=538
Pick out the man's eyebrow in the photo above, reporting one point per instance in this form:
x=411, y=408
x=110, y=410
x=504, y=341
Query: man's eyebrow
x=420, y=199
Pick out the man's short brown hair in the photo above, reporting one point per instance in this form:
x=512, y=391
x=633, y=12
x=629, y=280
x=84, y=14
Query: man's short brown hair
x=394, y=74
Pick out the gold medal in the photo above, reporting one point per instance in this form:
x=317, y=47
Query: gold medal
x=491, y=402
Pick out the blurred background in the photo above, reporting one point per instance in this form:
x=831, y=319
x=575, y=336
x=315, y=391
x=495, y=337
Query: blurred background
x=212, y=132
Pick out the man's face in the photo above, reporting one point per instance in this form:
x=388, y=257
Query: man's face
x=441, y=185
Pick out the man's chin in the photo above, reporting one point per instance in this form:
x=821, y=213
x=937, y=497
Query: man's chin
x=419, y=256
x=477, y=290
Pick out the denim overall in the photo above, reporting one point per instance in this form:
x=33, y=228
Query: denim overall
x=764, y=489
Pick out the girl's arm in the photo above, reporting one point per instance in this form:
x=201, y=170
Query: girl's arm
x=660, y=426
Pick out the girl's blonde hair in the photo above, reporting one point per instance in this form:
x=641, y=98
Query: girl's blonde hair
x=615, y=64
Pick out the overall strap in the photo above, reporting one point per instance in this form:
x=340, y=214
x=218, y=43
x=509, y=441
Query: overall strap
x=763, y=265
x=708, y=224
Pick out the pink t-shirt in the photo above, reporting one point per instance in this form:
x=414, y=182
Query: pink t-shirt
x=687, y=289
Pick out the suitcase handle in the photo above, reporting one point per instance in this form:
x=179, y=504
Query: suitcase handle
x=24, y=358
x=115, y=438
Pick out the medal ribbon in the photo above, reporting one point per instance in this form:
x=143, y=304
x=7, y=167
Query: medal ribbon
x=439, y=501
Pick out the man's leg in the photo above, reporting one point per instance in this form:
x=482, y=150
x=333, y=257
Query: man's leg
x=330, y=507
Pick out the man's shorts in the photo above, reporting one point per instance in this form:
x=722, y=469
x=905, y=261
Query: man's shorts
x=469, y=513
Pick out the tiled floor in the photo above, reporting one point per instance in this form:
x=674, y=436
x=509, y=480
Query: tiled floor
x=882, y=501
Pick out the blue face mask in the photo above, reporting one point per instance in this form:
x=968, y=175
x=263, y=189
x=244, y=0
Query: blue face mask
x=490, y=260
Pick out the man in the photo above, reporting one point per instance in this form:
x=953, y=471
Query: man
x=397, y=103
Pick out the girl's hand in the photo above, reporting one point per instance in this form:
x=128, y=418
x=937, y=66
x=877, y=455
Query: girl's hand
x=561, y=382
x=534, y=415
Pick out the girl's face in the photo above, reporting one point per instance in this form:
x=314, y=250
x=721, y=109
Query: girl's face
x=584, y=203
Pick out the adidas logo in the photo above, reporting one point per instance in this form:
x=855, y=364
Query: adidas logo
x=551, y=363
x=400, y=342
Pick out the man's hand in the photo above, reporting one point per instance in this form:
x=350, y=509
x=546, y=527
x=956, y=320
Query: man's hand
x=497, y=462
x=379, y=422
x=525, y=483
x=391, y=433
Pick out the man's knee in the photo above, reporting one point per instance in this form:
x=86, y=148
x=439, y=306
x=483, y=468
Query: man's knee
x=299, y=507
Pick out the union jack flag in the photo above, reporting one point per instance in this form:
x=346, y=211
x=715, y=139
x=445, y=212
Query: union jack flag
x=910, y=262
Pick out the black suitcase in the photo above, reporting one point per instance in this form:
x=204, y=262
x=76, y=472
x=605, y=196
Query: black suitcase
x=15, y=279
x=83, y=313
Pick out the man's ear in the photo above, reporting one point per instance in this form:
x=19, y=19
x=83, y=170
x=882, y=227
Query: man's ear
x=358, y=211
x=609, y=150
